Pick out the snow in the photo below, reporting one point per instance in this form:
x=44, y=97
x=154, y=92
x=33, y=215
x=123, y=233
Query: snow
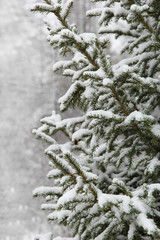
x=125, y=202
x=124, y=152
x=100, y=149
x=65, y=7
x=59, y=215
x=42, y=135
x=139, y=204
x=118, y=26
x=121, y=68
x=53, y=39
x=95, y=11
x=131, y=231
x=142, y=57
x=58, y=65
x=104, y=199
x=48, y=206
x=51, y=120
x=146, y=223
x=152, y=188
x=91, y=176
x=55, y=4
x=147, y=80
x=67, y=95
x=52, y=147
x=68, y=72
x=101, y=113
x=69, y=195
x=136, y=8
x=78, y=57
x=153, y=164
x=80, y=133
x=118, y=10
x=89, y=91
x=70, y=121
x=107, y=81
x=47, y=191
x=156, y=130
x=153, y=63
x=143, y=47
x=88, y=37
x=69, y=34
x=78, y=74
x=53, y=173
x=138, y=116
x=99, y=74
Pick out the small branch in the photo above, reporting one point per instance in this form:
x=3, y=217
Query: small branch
x=145, y=24
x=84, y=52
x=81, y=174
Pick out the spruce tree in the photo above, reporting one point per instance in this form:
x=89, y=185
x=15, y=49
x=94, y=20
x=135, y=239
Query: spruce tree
x=106, y=174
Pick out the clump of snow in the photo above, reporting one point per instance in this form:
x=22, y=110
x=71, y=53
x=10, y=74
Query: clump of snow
x=40, y=191
x=58, y=65
x=136, y=8
x=131, y=231
x=138, y=116
x=138, y=204
x=69, y=195
x=53, y=173
x=89, y=91
x=80, y=133
x=121, y=68
x=78, y=57
x=59, y=215
x=65, y=7
x=146, y=223
x=103, y=199
x=152, y=188
x=101, y=113
x=153, y=164
x=68, y=94
x=99, y=74
x=156, y=130
x=107, y=81
x=52, y=119
x=88, y=37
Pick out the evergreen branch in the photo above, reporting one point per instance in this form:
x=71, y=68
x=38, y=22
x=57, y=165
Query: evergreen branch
x=126, y=112
x=64, y=23
x=145, y=24
x=79, y=172
x=66, y=171
x=118, y=32
x=83, y=51
x=103, y=196
x=115, y=94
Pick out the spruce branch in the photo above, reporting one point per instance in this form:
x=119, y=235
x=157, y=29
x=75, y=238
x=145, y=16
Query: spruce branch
x=144, y=23
x=60, y=165
x=96, y=66
x=79, y=171
x=110, y=158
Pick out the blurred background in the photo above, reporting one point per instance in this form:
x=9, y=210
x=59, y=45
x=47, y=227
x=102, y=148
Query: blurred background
x=29, y=90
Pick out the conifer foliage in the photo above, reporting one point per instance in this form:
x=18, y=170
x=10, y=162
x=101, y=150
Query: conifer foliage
x=107, y=172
